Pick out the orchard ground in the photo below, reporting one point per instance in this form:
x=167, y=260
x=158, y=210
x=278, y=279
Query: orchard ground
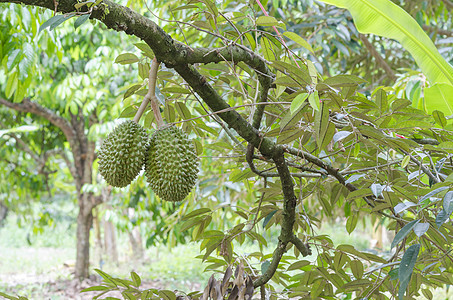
x=42, y=266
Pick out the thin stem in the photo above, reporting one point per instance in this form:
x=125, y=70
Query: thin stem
x=151, y=97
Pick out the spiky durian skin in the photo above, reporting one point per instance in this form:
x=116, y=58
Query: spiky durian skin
x=171, y=164
x=122, y=154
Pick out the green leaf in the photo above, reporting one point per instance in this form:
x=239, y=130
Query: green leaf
x=441, y=218
x=183, y=111
x=298, y=265
x=351, y=223
x=267, y=49
x=321, y=124
x=192, y=222
x=381, y=101
x=136, y=279
x=61, y=20
x=8, y=296
x=211, y=7
x=299, y=40
x=167, y=295
x=269, y=21
x=264, y=266
x=406, y=268
x=130, y=91
x=313, y=99
x=13, y=58
x=80, y=20
x=239, y=175
x=143, y=70
x=448, y=203
x=344, y=80
x=126, y=58
x=421, y=228
x=145, y=48
x=405, y=161
x=403, y=233
x=299, y=75
x=439, y=97
x=289, y=120
x=197, y=212
x=51, y=21
x=432, y=193
x=96, y=288
x=269, y=217
x=356, y=268
x=103, y=274
x=439, y=117
x=287, y=136
x=356, y=285
x=11, y=85
x=128, y=112
x=384, y=18
x=297, y=102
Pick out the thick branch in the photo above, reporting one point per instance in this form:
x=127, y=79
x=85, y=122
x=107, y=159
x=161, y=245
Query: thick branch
x=289, y=209
x=200, y=85
x=28, y=106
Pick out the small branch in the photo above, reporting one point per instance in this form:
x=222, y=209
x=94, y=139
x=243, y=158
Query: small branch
x=437, y=30
x=379, y=59
x=151, y=97
x=433, y=178
x=448, y=4
x=304, y=249
x=20, y=142
x=315, y=160
x=426, y=141
x=265, y=84
x=345, y=172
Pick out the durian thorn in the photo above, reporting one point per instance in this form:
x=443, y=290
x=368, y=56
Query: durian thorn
x=151, y=96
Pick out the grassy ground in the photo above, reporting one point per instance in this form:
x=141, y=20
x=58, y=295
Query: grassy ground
x=43, y=270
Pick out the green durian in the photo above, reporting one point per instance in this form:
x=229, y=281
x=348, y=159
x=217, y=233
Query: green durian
x=171, y=164
x=122, y=154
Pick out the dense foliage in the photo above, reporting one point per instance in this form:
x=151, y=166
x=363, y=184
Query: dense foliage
x=297, y=117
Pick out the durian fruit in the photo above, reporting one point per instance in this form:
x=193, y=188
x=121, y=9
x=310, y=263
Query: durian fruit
x=122, y=154
x=171, y=164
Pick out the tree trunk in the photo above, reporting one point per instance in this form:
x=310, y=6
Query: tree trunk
x=84, y=223
x=3, y=213
x=136, y=243
x=99, y=245
x=110, y=242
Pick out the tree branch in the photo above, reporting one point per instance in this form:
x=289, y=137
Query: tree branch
x=379, y=59
x=28, y=106
x=288, y=219
x=448, y=4
x=437, y=30
x=425, y=170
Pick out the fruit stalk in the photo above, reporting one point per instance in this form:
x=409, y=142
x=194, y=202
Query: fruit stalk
x=151, y=97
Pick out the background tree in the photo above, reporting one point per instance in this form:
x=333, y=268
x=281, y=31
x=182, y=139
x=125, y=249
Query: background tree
x=67, y=104
x=321, y=143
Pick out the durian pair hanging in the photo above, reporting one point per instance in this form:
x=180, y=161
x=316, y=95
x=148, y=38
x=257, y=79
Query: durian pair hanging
x=169, y=157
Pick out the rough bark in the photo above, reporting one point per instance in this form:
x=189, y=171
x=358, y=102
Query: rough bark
x=84, y=223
